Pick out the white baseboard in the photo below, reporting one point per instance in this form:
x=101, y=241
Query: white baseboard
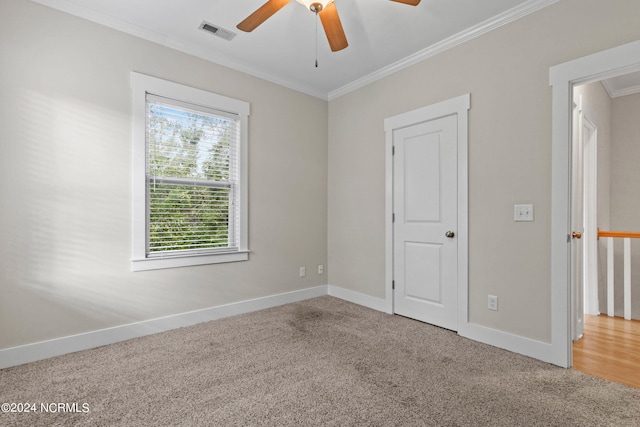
x=357, y=298
x=59, y=346
x=515, y=343
x=45, y=349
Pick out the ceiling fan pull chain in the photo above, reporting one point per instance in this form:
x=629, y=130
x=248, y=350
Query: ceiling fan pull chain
x=317, y=18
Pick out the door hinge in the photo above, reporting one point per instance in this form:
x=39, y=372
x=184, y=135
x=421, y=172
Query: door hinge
x=393, y=150
x=568, y=238
x=393, y=217
x=393, y=284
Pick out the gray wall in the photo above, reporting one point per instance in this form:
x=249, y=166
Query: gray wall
x=506, y=72
x=316, y=171
x=65, y=181
x=625, y=193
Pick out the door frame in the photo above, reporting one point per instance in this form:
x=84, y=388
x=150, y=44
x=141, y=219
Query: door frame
x=562, y=77
x=455, y=106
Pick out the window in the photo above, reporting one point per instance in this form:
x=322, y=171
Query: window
x=190, y=184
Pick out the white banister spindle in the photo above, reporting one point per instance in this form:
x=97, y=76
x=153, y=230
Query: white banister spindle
x=610, y=311
x=626, y=236
x=627, y=278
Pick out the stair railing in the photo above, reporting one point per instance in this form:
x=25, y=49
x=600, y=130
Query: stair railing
x=627, y=236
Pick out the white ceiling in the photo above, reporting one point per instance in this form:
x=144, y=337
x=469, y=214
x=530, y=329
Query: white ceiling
x=383, y=36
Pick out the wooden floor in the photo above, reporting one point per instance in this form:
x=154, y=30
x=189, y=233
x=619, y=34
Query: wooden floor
x=610, y=349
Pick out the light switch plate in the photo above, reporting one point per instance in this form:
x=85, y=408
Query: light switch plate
x=523, y=212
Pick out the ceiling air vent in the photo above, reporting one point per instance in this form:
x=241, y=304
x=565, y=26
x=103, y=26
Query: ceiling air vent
x=217, y=31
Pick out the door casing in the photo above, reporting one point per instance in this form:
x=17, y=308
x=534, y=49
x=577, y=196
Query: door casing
x=458, y=106
x=562, y=77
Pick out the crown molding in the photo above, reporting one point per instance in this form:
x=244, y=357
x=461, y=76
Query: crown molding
x=173, y=43
x=446, y=44
x=497, y=21
x=616, y=93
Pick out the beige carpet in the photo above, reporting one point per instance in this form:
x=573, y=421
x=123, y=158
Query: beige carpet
x=318, y=362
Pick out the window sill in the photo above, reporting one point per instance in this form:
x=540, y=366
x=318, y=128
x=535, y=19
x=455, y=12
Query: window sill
x=186, y=261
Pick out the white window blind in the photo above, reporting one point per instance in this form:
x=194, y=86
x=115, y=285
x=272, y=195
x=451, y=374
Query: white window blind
x=191, y=178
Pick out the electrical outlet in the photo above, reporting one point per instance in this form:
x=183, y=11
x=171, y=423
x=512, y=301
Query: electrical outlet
x=492, y=303
x=320, y=269
x=303, y=271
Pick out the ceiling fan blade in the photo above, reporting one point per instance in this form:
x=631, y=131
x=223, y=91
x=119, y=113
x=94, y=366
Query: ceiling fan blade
x=262, y=14
x=333, y=27
x=409, y=2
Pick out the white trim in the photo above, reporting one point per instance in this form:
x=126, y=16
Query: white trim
x=374, y=303
x=515, y=343
x=616, y=93
x=459, y=106
x=490, y=24
x=609, y=88
x=145, y=264
x=84, y=12
x=56, y=347
x=627, y=278
x=45, y=349
x=141, y=85
x=612, y=62
x=388, y=217
x=215, y=57
x=142, y=82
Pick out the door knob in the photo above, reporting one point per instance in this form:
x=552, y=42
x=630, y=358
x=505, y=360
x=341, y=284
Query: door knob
x=450, y=234
x=576, y=235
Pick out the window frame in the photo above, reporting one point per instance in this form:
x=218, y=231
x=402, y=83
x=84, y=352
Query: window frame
x=141, y=85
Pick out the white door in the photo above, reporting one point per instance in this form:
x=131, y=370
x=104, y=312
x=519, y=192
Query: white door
x=590, y=154
x=577, y=226
x=584, y=261
x=425, y=194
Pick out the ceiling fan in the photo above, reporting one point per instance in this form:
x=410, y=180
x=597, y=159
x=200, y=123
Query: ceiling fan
x=325, y=9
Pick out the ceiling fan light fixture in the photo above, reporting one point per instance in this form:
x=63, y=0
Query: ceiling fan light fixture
x=315, y=5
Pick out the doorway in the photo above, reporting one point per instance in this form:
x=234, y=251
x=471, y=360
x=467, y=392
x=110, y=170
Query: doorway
x=613, y=62
x=604, y=129
x=427, y=272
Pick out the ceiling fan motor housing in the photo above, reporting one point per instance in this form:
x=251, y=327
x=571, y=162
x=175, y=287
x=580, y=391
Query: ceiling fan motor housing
x=315, y=6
